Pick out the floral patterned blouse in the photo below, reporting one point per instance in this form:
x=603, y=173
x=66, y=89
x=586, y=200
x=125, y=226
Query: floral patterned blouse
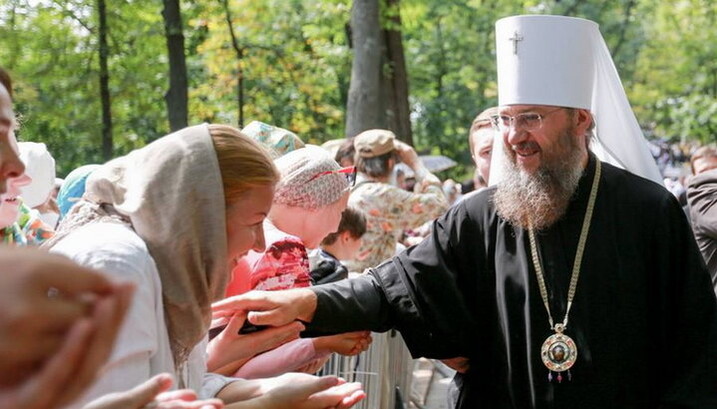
x=389, y=211
x=28, y=230
x=283, y=265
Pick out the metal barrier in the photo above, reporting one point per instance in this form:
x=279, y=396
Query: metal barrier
x=385, y=371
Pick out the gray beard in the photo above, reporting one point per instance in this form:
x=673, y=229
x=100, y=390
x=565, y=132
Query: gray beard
x=540, y=199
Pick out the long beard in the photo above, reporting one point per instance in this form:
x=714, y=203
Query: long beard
x=540, y=199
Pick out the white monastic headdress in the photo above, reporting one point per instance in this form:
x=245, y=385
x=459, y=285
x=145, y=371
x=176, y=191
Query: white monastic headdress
x=564, y=61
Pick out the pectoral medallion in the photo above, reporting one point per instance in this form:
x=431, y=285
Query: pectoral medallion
x=559, y=354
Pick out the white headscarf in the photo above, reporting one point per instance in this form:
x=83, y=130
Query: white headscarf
x=40, y=167
x=170, y=192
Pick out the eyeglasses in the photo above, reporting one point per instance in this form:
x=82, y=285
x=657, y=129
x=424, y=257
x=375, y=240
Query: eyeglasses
x=349, y=172
x=528, y=121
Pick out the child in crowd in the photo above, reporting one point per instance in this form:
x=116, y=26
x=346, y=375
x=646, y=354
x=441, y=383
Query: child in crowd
x=342, y=244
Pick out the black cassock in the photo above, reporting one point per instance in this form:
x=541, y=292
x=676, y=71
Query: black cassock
x=644, y=316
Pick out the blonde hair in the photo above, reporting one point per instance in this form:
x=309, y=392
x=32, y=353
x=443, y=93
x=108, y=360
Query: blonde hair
x=243, y=162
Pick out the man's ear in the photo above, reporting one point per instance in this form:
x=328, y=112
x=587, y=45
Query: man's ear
x=583, y=120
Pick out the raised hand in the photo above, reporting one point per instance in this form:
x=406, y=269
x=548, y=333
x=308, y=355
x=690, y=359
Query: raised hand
x=350, y=343
x=153, y=393
x=302, y=391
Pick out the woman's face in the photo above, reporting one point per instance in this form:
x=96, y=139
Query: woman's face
x=9, y=201
x=245, y=218
x=324, y=221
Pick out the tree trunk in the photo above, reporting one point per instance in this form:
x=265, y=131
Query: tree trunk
x=107, y=146
x=176, y=97
x=239, y=51
x=399, y=120
x=365, y=108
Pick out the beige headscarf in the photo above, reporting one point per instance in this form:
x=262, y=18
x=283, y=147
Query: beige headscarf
x=171, y=194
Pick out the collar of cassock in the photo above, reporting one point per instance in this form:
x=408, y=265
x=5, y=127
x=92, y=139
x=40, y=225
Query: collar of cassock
x=579, y=201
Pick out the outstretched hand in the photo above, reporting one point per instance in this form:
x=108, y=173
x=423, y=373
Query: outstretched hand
x=348, y=344
x=302, y=391
x=153, y=392
x=274, y=308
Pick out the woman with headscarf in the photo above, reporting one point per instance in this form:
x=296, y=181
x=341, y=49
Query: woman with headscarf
x=309, y=199
x=171, y=217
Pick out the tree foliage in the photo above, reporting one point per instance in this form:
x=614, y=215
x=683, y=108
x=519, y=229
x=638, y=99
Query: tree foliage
x=295, y=65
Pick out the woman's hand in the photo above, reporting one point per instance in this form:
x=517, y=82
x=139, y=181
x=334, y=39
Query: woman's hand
x=153, y=393
x=314, y=366
x=302, y=391
x=230, y=347
x=350, y=343
x=33, y=325
x=63, y=377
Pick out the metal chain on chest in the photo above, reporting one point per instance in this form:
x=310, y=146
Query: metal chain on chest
x=578, y=257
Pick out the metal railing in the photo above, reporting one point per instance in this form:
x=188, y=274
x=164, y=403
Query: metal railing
x=385, y=371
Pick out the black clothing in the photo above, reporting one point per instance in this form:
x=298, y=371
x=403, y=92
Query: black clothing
x=644, y=317
x=328, y=269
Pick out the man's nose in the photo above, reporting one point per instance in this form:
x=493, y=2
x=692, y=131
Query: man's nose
x=516, y=134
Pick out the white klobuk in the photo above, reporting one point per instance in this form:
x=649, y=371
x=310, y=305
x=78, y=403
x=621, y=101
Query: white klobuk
x=564, y=61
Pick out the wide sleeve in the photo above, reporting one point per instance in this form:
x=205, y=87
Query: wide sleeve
x=687, y=337
x=419, y=292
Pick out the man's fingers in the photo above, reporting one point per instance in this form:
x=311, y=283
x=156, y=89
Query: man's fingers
x=253, y=300
x=273, y=317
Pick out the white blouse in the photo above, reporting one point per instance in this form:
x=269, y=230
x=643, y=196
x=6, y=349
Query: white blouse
x=142, y=347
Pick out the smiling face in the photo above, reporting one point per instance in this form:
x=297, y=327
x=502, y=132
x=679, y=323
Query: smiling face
x=9, y=201
x=543, y=166
x=10, y=164
x=551, y=142
x=245, y=221
x=11, y=168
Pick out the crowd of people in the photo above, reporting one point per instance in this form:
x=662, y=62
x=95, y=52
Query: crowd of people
x=221, y=268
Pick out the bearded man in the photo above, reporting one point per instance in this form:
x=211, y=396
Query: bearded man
x=572, y=283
